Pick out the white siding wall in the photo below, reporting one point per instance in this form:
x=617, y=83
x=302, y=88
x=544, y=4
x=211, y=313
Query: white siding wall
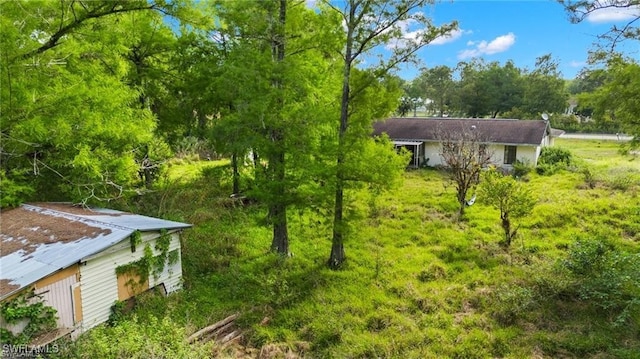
x=432, y=152
x=527, y=154
x=171, y=276
x=59, y=295
x=99, y=282
x=523, y=153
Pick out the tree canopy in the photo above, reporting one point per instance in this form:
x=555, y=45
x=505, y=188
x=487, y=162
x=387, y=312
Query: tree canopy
x=61, y=133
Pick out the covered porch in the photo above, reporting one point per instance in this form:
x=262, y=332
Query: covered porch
x=416, y=148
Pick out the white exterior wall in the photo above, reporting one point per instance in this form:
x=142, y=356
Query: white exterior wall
x=432, y=152
x=527, y=154
x=98, y=280
x=171, y=275
x=523, y=153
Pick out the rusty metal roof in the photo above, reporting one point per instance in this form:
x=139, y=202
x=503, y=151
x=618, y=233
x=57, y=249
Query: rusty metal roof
x=502, y=131
x=39, y=239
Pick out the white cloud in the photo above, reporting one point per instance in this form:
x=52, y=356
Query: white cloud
x=449, y=37
x=575, y=63
x=413, y=36
x=614, y=14
x=499, y=44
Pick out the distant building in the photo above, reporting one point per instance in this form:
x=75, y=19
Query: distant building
x=507, y=139
x=79, y=260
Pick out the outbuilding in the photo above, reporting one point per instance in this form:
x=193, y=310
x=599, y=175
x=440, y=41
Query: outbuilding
x=80, y=261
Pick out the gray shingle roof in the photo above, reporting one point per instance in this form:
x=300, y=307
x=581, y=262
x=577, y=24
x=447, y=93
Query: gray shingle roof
x=503, y=131
x=37, y=240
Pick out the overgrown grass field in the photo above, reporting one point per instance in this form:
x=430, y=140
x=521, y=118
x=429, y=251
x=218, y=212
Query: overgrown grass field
x=418, y=283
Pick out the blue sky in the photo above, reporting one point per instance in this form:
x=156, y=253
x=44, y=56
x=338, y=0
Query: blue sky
x=519, y=31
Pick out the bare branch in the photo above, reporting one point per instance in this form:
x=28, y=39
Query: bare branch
x=464, y=152
x=580, y=10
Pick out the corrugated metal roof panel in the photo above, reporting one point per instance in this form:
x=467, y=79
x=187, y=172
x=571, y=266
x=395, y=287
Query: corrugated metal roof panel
x=138, y=222
x=38, y=240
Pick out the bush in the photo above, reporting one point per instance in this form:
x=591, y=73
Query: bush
x=553, y=159
x=521, y=168
x=512, y=302
x=555, y=156
x=607, y=278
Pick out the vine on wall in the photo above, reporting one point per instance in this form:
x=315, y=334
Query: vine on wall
x=135, y=239
x=40, y=318
x=150, y=264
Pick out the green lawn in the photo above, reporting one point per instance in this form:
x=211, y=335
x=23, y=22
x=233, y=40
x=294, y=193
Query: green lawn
x=417, y=283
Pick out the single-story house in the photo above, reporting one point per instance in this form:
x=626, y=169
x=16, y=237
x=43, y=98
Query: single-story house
x=80, y=261
x=507, y=139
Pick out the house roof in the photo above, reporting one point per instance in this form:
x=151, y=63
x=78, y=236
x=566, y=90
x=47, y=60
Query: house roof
x=39, y=239
x=503, y=131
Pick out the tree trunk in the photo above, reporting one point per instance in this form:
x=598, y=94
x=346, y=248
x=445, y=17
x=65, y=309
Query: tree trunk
x=337, y=256
x=278, y=207
x=278, y=203
x=506, y=226
x=280, y=242
x=236, y=175
x=463, y=203
x=462, y=200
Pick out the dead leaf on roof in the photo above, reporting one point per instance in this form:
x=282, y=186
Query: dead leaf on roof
x=7, y=287
x=23, y=229
x=75, y=209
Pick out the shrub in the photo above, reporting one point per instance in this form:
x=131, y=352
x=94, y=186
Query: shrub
x=511, y=303
x=521, y=168
x=606, y=277
x=553, y=159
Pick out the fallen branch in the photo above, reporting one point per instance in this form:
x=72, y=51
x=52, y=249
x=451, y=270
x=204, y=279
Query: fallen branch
x=216, y=327
x=229, y=337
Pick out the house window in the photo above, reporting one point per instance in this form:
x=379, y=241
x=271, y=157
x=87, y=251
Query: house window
x=509, y=155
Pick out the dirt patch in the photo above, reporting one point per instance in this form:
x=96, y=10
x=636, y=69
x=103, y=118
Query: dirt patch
x=26, y=230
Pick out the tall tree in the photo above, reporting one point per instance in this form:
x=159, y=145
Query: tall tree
x=545, y=90
x=438, y=86
x=279, y=75
x=616, y=101
x=368, y=24
x=57, y=122
x=504, y=87
x=471, y=98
